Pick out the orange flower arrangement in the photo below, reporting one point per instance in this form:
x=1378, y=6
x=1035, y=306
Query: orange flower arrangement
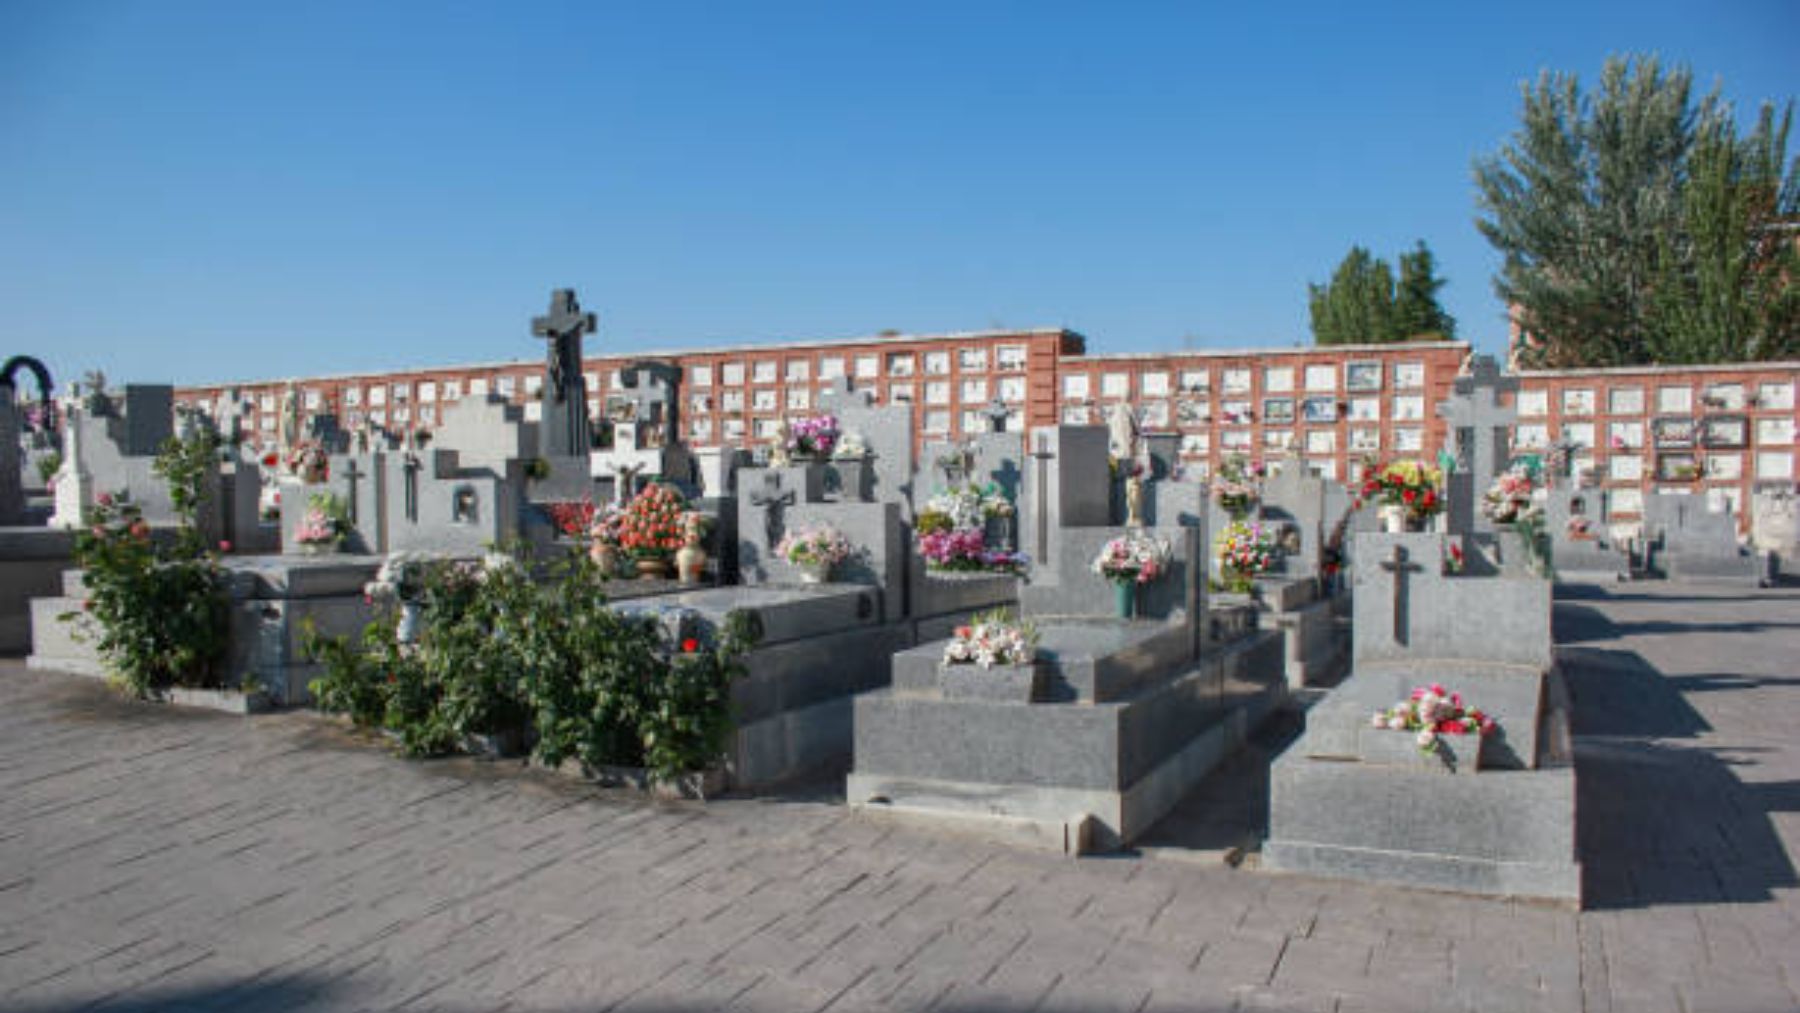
x=652, y=522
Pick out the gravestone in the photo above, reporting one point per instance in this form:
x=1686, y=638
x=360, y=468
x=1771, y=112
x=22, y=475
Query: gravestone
x=1067, y=485
x=1579, y=555
x=1479, y=426
x=646, y=432
x=1691, y=541
x=1775, y=523
x=564, y=396
x=886, y=430
x=12, y=490
x=1293, y=500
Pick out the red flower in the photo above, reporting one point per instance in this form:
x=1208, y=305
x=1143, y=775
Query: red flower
x=269, y=459
x=224, y=546
x=690, y=645
x=1409, y=495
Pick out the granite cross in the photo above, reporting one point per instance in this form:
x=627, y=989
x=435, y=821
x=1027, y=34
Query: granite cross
x=563, y=326
x=1397, y=564
x=1477, y=419
x=351, y=475
x=772, y=498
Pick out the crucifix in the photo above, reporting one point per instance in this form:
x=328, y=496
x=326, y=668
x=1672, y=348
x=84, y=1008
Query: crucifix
x=1478, y=423
x=351, y=475
x=626, y=474
x=564, y=427
x=1397, y=564
x=773, y=499
x=411, y=466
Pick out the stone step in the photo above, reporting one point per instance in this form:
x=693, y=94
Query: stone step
x=53, y=642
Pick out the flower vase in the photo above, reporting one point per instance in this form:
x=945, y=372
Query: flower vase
x=318, y=548
x=605, y=557
x=690, y=563
x=652, y=568
x=815, y=574
x=1393, y=518
x=411, y=614
x=1125, y=598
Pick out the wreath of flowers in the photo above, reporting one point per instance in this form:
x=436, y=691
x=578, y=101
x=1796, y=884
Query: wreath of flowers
x=1431, y=711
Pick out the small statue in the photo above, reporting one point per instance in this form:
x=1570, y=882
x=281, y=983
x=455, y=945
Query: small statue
x=778, y=444
x=1134, y=501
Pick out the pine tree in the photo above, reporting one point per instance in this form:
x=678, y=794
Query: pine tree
x=1362, y=303
x=1417, y=313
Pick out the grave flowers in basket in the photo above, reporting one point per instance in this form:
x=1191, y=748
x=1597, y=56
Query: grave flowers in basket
x=813, y=438
x=1440, y=722
x=1246, y=550
x=815, y=552
x=1130, y=560
x=651, y=528
x=1409, y=490
x=323, y=527
x=991, y=657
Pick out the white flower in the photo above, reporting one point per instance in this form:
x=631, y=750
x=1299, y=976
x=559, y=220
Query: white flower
x=1427, y=738
x=1380, y=720
x=1397, y=723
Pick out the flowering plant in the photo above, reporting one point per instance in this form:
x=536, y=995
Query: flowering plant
x=400, y=579
x=821, y=548
x=651, y=524
x=572, y=518
x=815, y=436
x=1508, y=500
x=1134, y=558
x=852, y=447
x=1246, y=549
x=965, y=549
x=1432, y=711
x=1237, y=483
x=992, y=638
x=324, y=522
x=1410, y=484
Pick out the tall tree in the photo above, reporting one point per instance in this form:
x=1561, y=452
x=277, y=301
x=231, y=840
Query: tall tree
x=1607, y=209
x=1362, y=304
x=1417, y=312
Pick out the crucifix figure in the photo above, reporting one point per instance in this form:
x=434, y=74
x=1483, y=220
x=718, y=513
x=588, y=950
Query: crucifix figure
x=774, y=500
x=626, y=473
x=565, y=422
x=995, y=413
x=1397, y=564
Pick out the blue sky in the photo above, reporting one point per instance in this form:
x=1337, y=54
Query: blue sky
x=199, y=191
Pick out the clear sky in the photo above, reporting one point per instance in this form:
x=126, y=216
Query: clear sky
x=208, y=191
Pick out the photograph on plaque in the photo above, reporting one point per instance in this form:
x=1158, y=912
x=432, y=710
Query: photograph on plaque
x=1278, y=410
x=1673, y=433
x=1192, y=411
x=1729, y=432
x=1320, y=409
x=621, y=409
x=1677, y=467
x=1362, y=376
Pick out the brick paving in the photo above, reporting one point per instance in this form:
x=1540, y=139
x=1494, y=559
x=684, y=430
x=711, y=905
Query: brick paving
x=159, y=859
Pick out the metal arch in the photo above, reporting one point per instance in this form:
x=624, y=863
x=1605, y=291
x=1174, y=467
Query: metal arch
x=38, y=370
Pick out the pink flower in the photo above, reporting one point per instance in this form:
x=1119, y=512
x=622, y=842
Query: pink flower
x=224, y=546
x=105, y=499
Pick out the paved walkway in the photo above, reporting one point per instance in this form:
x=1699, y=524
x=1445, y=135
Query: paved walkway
x=157, y=859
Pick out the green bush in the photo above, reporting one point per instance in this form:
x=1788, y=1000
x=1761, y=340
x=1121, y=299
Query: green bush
x=159, y=605
x=499, y=651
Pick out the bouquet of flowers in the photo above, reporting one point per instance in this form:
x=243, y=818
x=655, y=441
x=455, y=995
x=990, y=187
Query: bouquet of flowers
x=1237, y=483
x=1134, y=558
x=1508, y=500
x=1246, y=550
x=950, y=531
x=309, y=461
x=651, y=524
x=323, y=523
x=1432, y=711
x=573, y=518
x=992, y=638
x=813, y=437
x=820, y=548
x=1410, y=484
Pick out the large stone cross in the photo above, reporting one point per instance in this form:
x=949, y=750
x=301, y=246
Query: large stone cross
x=773, y=499
x=563, y=326
x=1397, y=564
x=1478, y=425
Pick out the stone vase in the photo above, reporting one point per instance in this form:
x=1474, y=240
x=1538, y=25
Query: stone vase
x=652, y=568
x=605, y=556
x=690, y=563
x=816, y=574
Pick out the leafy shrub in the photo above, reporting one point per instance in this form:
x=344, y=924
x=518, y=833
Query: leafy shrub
x=159, y=605
x=499, y=651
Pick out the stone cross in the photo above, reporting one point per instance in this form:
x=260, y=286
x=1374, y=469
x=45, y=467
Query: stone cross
x=773, y=499
x=1478, y=425
x=1397, y=564
x=351, y=475
x=411, y=466
x=995, y=413
x=565, y=422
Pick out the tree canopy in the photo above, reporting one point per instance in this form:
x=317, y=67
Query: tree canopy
x=1638, y=225
x=1363, y=303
